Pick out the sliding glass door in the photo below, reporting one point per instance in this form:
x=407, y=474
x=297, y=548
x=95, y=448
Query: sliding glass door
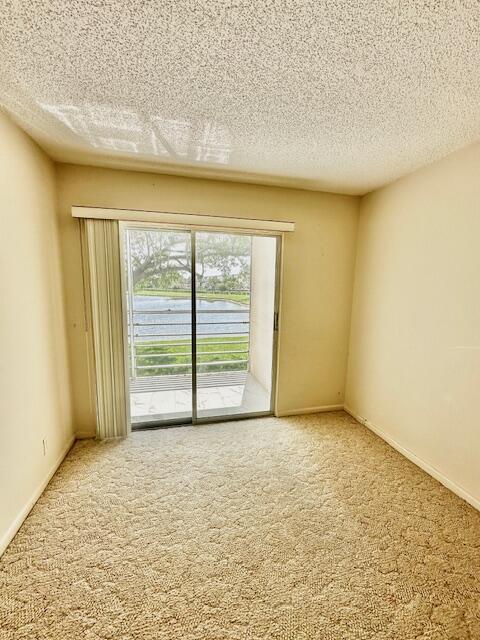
x=158, y=296
x=235, y=307
x=201, y=314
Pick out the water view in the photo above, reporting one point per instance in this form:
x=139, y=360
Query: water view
x=174, y=321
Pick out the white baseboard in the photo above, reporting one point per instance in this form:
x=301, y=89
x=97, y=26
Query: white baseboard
x=459, y=491
x=17, y=523
x=432, y=471
x=299, y=412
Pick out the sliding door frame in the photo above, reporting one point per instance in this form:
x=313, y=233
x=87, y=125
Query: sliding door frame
x=276, y=314
x=193, y=280
x=125, y=226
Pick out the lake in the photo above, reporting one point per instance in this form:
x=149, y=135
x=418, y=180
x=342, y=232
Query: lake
x=219, y=316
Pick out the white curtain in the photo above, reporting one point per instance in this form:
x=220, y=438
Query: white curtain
x=103, y=284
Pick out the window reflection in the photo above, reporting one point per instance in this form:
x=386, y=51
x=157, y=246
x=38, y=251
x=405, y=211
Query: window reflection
x=127, y=132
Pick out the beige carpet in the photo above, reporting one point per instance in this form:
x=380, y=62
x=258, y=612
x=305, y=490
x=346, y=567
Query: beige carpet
x=293, y=528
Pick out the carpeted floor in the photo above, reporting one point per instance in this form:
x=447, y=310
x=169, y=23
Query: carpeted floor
x=294, y=528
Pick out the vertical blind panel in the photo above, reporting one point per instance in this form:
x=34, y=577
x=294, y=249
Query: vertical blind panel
x=104, y=274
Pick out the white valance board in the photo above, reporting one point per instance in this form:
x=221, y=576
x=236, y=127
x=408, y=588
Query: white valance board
x=185, y=219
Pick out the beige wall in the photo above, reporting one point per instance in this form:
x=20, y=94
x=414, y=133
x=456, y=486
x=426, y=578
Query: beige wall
x=317, y=279
x=414, y=365
x=34, y=379
x=262, y=307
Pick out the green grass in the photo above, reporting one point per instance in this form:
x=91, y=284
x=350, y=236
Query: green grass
x=211, y=349
x=230, y=296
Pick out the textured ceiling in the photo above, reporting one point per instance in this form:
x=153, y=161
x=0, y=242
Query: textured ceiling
x=336, y=95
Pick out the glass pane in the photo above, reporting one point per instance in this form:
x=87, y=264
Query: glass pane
x=235, y=289
x=158, y=264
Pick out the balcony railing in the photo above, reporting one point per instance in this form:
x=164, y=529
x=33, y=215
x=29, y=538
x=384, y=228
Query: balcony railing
x=160, y=341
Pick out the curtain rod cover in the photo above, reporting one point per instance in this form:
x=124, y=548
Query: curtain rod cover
x=193, y=219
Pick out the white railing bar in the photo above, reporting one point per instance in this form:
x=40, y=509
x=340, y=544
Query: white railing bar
x=223, y=310
x=188, y=364
x=211, y=364
x=184, y=324
x=188, y=292
x=164, y=366
x=204, y=353
x=227, y=322
x=230, y=342
x=161, y=335
x=176, y=335
x=164, y=355
x=161, y=324
x=169, y=311
x=188, y=344
x=222, y=333
x=174, y=313
x=187, y=353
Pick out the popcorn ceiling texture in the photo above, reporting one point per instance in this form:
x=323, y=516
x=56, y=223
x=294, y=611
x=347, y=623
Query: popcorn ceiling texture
x=306, y=528
x=340, y=96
